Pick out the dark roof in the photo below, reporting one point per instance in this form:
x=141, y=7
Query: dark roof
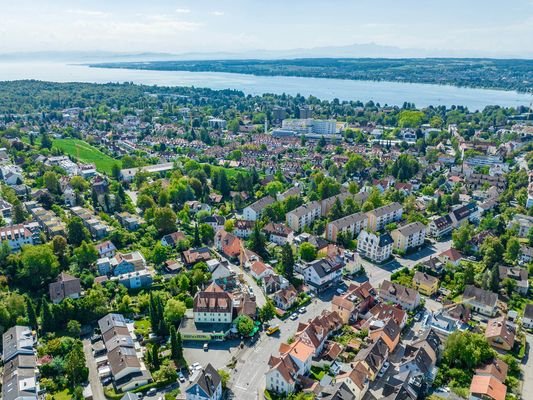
x=464, y=211
x=208, y=380
x=480, y=295
x=443, y=222
x=324, y=266
x=385, y=240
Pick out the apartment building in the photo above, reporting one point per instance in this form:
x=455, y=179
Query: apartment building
x=380, y=217
x=255, y=210
x=351, y=225
x=374, y=247
x=16, y=236
x=213, y=305
x=409, y=236
x=406, y=297
x=304, y=215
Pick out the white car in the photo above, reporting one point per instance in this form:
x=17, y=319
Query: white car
x=302, y=310
x=293, y=317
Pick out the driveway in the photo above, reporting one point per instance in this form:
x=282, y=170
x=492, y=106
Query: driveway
x=94, y=380
x=527, y=369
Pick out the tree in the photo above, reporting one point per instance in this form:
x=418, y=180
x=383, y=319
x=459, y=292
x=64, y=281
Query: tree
x=257, y=241
x=159, y=254
x=467, y=350
x=512, y=250
x=51, y=182
x=494, y=283
x=19, y=215
x=176, y=353
x=86, y=254
x=74, y=328
x=336, y=211
x=308, y=252
x=164, y=220
x=47, y=318
x=174, y=311
x=46, y=143
x=115, y=171
x=207, y=233
x=156, y=363
x=39, y=264
x=224, y=377
x=461, y=237
x=76, y=232
x=469, y=274
x=196, y=241
x=245, y=325
x=60, y=249
x=30, y=312
x=287, y=261
x=268, y=311
x=75, y=366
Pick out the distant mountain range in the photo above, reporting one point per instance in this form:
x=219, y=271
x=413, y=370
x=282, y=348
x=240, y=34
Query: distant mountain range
x=368, y=50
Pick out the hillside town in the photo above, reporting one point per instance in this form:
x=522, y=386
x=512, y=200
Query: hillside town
x=184, y=243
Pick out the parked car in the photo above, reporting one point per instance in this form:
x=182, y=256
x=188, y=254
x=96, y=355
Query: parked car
x=302, y=310
x=206, y=347
x=95, y=338
x=293, y=317
x=106, y=381
x=151, y=391
x=181, y=377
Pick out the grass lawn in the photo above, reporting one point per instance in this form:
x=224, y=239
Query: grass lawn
x=142, y=327
x=63, y=395
x=86, y=153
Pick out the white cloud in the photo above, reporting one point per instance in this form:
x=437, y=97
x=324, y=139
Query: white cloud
x=183, y=10
x=217, y=13
x=88, y=13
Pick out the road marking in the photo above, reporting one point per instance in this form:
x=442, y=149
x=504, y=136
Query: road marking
x=241, y=387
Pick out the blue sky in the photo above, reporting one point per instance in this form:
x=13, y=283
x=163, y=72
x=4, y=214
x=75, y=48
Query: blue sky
x=492, y=26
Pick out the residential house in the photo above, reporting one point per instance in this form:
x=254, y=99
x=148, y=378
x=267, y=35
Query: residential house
x=20, y=373
x=451, y=256
x=388, y=330
x=106, y=249
x=206, y=386
x=172, y=239
x=480, y=300
x=409, y=236
x=356, y=380
x=523, y=224
x=129, y=221
x=65, y=286
x=527, y=319
x=193, y=256
x=382, y=216
x=278, y=233
x=406, y=297
x=285, y=298
x=215, y=221
x=499, y=334
x=385, y=312
x=243, y=229
x=425, y=284
x=136, y=279
x=124, y=263
x=259, y=270
x=519, y=275
x=255, y=210
x=16, y=236
x=420, y=357
x=213, y=305
x=371, y=359
x=486, y=387
x=440, y=226
x=357, y=300
x=303, y=216
x=273, y=283
x=228, y=244
x=375, y=248
x=526, y=254
x=125, y=362
x=322, y=273
x=350, y=225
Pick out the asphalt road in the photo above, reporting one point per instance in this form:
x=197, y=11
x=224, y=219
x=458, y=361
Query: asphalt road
x=94, y=380
x=527, y=369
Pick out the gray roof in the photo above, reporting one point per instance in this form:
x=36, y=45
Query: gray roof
x=17, y=340
x=412, y=228
x=260, y=204
x=381, y=211
x=304, y=209
x=110, y=321
x=349, y=220
x=208, y=381
x=528, y=312
x=481, y=296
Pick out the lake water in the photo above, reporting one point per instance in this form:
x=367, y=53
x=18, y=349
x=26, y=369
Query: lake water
x=391, y=93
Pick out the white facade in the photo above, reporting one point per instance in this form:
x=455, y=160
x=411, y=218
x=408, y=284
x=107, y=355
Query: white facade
x=213, y=317
x=373, y=247
x=303, y=216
